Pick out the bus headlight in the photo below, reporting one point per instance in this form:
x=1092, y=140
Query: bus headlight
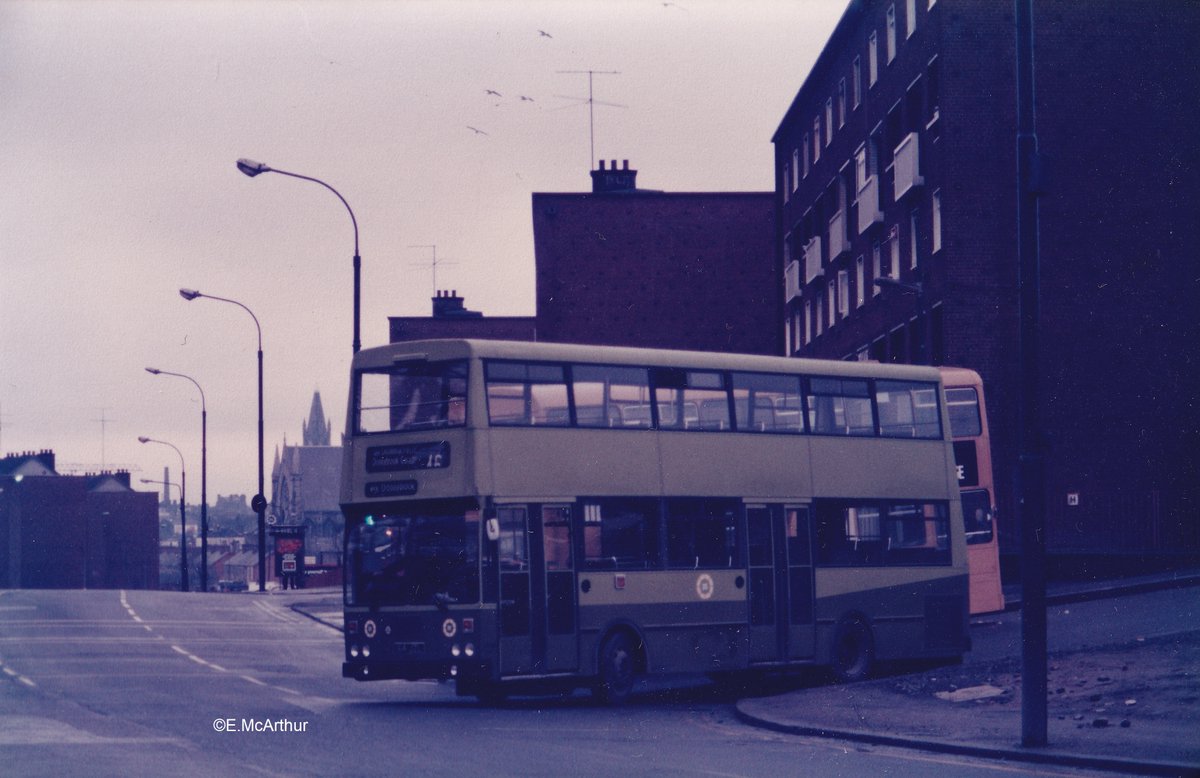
x=354, y=652
x=366, y=651
x=453, y=670
x=469, y=650
x=455, y=650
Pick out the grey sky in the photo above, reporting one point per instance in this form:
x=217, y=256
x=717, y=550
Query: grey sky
x=121, y=122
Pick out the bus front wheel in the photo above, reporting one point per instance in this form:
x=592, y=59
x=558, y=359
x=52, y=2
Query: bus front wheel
x=853, y=650
x=618, y=669
x=490, y=694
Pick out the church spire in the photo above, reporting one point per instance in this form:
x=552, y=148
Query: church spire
x=316, y=430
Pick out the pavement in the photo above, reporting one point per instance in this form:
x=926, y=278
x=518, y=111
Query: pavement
x=1132, y=708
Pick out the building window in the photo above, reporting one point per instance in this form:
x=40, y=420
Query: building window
x=784, y=186
x=816, y=138
x=804, y=151
x=931, y=91
x=828, y=120
x=872, y=59
x=831, y=303
x=841, y=103
x=861, y=171
x=860, y=291
x=807, y=322
x=894, y=270
x=932, y=3
x=937, y=221
x=819, y=319
x=910, y=18
x=856, y=83
x=844, y=293
x=876, y=265
x=912, y=238
x=891, y=33
x=795, y=169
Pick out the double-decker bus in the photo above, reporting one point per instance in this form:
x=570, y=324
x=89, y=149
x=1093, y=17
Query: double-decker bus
x=532, y=516
x=973, y=454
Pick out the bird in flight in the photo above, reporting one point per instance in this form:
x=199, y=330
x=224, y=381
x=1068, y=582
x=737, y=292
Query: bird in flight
x=544, y=34
x=526, y=99
x=493, y=92
x=476, y=130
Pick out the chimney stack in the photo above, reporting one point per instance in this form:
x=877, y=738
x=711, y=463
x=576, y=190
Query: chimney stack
x=614, y=180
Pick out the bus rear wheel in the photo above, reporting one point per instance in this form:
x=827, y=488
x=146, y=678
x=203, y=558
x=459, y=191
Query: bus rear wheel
x=853, y=651
x=618, y=669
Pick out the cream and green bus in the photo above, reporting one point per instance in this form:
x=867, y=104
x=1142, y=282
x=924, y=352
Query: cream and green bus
x=529, y=516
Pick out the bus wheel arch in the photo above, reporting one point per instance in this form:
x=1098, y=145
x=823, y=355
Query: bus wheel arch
x=621, y=658
x=852, y=651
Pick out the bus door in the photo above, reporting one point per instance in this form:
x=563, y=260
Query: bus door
x=515, y=624
x=557, y=615
x=781, y=583
x=537, y=590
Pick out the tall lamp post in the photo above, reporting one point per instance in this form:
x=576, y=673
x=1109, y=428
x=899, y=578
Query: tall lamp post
x=183, y=567
x=203, y=475
x=914, y=288
x=259, y=502
x=252, y=169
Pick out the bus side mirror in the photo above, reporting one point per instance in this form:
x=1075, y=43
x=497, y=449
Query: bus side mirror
x=493, y=529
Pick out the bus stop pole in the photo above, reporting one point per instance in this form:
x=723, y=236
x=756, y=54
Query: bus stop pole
x=1031, y=499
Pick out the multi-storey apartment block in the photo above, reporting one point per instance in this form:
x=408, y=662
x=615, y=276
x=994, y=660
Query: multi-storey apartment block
x=896, y=182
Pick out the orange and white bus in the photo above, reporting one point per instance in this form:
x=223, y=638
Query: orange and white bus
x=973, y=455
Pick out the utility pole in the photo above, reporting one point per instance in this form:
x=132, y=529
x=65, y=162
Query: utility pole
x=1031, y=495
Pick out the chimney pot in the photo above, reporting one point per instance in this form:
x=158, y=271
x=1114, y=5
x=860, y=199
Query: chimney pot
x=614, y=164
x=624, y=164
x=601, y=164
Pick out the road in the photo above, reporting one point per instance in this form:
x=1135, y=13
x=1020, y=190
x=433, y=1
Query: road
x=137, y=683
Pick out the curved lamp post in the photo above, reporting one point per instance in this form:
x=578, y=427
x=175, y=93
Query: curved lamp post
x=252, y=169
x=203, y=474
x=259, y=502
x=183, y=568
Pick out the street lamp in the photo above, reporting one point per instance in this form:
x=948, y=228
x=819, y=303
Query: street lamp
x=914, y=288
x=252, y=169
x=259, y=502
x=203, y=475
x=183, y=581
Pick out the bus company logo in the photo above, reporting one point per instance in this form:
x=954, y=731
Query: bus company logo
x=704, y=586
x=369, y=628
x=449, y=628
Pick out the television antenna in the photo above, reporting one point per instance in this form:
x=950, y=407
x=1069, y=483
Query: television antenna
x=591, y=103
x=433, y=264
x=104, y=421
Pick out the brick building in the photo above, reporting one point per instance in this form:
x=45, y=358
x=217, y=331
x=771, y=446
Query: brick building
x=452, y=319
x=896, y=160
x=74, y=532
x=635, y=267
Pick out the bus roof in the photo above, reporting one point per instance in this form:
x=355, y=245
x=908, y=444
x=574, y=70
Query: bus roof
x=434, y=350
x=960, y=376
